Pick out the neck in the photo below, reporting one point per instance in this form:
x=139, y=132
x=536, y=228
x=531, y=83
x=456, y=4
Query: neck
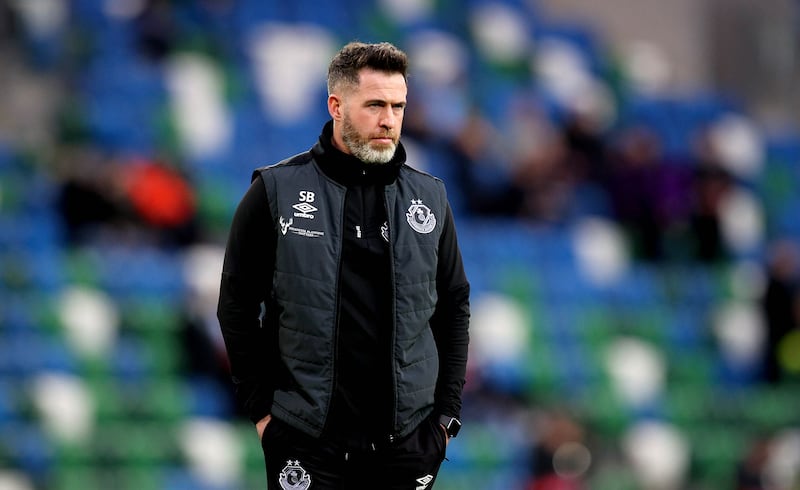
x=337, y=141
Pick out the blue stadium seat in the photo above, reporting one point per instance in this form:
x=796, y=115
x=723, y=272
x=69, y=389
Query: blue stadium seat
x=147, y=272
x=207, y=398
x=677, y=120
x=6, y=156
x=252, y=13
x=25, y=354
x=9, y=399
x=129, y=360
x=29, y=448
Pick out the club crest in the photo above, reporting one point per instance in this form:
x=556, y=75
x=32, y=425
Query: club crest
x=294, y=477
x=420, y=217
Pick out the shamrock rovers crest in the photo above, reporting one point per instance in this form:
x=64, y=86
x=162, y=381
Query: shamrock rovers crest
x=294, y=477
x=420, y=217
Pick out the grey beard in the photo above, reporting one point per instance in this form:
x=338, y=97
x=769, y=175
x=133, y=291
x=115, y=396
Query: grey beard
x=361, y=149
x=370, y=155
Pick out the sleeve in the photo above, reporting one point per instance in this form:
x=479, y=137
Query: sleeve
x=245, y=285
x=450, y=322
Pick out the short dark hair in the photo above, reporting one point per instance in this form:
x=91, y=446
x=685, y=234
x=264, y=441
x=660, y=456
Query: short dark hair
x=355, y=56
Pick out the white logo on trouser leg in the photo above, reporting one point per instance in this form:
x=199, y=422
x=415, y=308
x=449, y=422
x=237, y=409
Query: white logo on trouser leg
x=424, y=482
x=294, y=477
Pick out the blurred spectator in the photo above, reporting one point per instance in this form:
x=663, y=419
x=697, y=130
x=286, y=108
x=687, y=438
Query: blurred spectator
x=486, y=183
x=779, y=303
x=89, y=198
x=102, y=197
x=156, y=29
x=162, y=199
x=586, y=147
x=202, y=342
x=205, y=355
x=204, y=359
x=750, y=470
x=538, y=165
x=648, y=194
x=711, y=183
x=771, y=462
x=9, y=28
x=560, y=458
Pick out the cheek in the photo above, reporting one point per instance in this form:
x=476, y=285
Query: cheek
x=364, y=122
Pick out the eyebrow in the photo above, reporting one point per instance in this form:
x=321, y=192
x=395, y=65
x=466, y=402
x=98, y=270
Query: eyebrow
x=385, y=102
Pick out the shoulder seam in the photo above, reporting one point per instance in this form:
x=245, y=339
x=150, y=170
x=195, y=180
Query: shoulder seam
x=421, y=172
x=298, y=159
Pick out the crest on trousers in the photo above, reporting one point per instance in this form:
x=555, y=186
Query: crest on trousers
x=420, y=217
x=294, y=477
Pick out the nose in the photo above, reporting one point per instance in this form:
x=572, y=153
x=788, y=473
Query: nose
x=388, y=118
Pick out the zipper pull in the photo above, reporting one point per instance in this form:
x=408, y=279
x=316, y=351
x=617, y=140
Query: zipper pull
x=358, y=231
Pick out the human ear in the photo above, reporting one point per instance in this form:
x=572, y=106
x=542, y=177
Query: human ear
x=335, y=107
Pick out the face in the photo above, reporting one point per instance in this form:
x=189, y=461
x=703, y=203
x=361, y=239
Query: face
x=368, y=119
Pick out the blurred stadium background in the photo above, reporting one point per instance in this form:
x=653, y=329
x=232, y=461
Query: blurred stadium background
x=626, y=179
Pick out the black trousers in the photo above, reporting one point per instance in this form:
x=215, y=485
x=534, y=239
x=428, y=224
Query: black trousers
x=296, y=461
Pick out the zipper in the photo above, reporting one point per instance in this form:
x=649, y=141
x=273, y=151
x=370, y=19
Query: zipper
x=393, y=308
x=337, y=306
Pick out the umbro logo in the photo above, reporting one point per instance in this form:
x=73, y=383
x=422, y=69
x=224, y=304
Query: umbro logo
x=424, y=481
x=304, y=207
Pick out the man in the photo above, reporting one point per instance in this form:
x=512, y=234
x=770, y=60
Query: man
x=353, y=373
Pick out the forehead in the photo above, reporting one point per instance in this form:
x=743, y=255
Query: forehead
x=381, y=85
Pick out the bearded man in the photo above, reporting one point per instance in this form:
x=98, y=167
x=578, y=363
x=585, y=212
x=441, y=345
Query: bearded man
x=344, y=304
